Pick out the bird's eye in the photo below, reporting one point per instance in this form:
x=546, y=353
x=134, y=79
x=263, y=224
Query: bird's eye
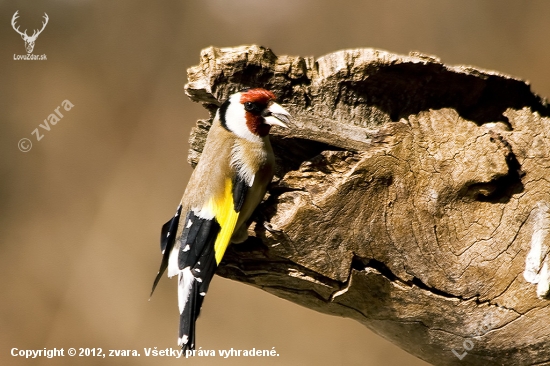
x=249, y=106
x=253, y=107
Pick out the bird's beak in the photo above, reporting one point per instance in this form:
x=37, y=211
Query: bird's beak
x=276, y=115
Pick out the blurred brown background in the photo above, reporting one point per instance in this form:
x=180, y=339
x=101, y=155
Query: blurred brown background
x=81, y=212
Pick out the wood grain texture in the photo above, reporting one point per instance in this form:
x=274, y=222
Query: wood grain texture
x=410, y=195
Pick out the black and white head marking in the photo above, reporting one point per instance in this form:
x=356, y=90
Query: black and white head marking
x=232, y=116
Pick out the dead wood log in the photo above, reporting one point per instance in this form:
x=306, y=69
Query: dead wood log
x=410, y=195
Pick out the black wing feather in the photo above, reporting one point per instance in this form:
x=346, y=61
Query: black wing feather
x=167, y=239
x=239, y=192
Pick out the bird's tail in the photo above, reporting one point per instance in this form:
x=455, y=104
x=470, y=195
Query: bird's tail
x=192, y=287
x=189, y=307
x=195, y=263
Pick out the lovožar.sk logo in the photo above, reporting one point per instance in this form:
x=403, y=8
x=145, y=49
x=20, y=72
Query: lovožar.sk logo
x=29, y=40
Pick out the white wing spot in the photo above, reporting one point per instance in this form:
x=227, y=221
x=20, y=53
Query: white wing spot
x=186, y=248
x=189, y=223
x=203, y=294
x=206, y=213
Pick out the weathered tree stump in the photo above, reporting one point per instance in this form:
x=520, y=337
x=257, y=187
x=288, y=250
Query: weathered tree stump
x=411, y=196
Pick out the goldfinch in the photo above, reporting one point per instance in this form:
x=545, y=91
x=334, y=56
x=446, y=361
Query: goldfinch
x=227, y=184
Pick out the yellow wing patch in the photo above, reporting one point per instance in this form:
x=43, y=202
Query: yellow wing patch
x=224, y=212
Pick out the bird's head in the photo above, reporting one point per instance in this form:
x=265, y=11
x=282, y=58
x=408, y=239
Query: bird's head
x=250, y=113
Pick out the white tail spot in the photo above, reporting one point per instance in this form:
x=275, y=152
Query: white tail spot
x=185, y=282
x=183, y=340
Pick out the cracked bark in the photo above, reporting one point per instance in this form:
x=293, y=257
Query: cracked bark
x=410, y=196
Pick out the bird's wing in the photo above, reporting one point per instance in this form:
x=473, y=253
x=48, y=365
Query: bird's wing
x=202, y=246
x=196, y=253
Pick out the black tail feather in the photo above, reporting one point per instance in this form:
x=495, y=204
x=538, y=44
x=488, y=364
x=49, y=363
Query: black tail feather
x=188, y=318
x=167, y=239
x=197, y=265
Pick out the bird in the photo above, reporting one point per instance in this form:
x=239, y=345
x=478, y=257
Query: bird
x=229, y=181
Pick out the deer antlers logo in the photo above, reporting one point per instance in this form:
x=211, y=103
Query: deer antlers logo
x=29, y=41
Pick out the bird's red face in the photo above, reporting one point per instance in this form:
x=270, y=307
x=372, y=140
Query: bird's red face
x=251, y=113
x=255, y=101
